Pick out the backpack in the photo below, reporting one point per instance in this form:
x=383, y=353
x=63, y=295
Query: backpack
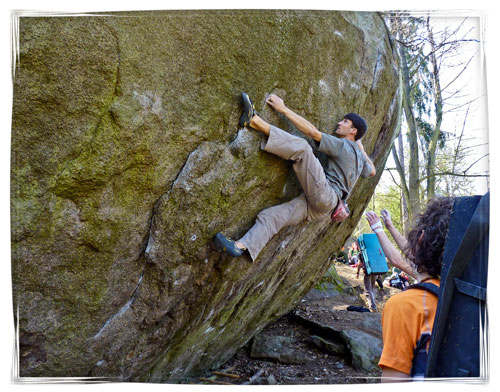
x=458, y=345
x=373, y=255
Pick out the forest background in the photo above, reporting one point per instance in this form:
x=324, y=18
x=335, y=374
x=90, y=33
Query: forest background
x=443, y=145
x=486, y=59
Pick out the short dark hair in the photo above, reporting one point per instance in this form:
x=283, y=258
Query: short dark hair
x=359, y=123
x=426, y=255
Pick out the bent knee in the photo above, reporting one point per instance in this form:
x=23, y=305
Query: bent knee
x=303, y=146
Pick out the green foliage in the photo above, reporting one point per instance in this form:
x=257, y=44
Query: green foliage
x=388, y=198
x=391, y=201
x=426, y=130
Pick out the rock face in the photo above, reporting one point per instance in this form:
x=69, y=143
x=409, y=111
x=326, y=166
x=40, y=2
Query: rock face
x=365, y=350
x=277, y=348
x=127, y=159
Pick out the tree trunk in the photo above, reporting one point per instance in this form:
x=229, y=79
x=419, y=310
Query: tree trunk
x=404, y=205
x=413, y=175
x=431, y=159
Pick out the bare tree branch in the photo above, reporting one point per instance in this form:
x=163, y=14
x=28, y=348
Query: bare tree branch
x=445, y=173
x=460, y=73
x=393, y=179
x=476, y=161
x=459, y=141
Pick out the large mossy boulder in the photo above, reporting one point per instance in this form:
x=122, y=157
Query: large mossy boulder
x=127, y=159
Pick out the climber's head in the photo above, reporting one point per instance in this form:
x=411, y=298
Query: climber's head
x=353, y=127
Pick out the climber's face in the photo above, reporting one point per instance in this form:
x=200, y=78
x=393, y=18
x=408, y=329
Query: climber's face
x=345, y=128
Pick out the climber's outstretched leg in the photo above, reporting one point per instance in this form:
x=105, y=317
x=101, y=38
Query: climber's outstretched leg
x=269, y=222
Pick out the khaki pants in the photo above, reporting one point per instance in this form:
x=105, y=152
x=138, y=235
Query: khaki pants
x=317, y=201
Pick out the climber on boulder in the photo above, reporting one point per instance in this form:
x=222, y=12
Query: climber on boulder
x=323, y=187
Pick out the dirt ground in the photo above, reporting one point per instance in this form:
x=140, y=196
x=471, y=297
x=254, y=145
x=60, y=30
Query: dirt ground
x=320, y=368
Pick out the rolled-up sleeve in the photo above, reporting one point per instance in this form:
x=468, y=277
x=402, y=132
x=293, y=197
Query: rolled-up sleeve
x=330, y=145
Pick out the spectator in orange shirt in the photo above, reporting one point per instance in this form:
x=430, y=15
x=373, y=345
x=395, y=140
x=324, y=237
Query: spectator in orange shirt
x=408, y=317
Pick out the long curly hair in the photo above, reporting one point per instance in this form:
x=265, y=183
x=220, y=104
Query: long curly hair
x=425, y=251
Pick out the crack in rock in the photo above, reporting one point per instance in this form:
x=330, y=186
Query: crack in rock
x=122, y=310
